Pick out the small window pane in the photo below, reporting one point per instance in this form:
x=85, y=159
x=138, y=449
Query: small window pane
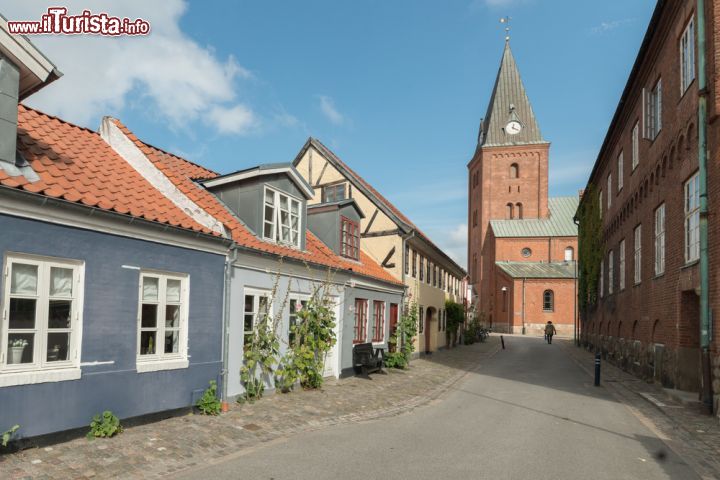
x=173, y=291
x=248, y=326
x=149, y=316
x=171, y=342
x=22, y=313
x=249, y=301
x=59, y=313
x=148, y=343
x=61, y=282
x=150, y=289
x=20, y=348
x=283, y=202
x=269, y=197
x=268, y=231
x=172, y=316
x=58, y=347
x=294, y=207
x=24, y=279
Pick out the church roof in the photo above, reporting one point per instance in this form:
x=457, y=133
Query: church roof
x=509, y=101
x=559, y=224
x=538, y=269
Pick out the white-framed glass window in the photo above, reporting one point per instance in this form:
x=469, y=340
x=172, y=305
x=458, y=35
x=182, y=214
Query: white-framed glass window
x=611, y=271
x=569, y=254
x=609, y=191
x=635, y=145
x=257, y=304
x=637, y=257
x=602, y=279
x=621, y=262
x=653, y=111
x=378, y=331
x=281, y=218
x=41, y=314
x=162, y=317
x=600, y=203
x=687, y=56
x=660, y=240
x=692, y=219
x=620, y=166
x=296, y=303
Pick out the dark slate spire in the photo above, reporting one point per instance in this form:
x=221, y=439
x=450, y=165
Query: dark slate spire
x=509, y=102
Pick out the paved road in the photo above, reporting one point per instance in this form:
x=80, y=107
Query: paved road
x=528, y=412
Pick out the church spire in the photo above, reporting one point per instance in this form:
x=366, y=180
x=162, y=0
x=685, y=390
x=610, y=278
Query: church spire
x=509, y=119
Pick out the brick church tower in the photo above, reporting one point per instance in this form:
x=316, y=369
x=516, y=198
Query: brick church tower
x=507, y=180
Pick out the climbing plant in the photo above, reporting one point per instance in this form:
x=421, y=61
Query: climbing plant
x=455, y=317
x=403, y=340
x=590, y=247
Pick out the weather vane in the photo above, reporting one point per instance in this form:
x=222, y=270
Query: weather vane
x=506, y=21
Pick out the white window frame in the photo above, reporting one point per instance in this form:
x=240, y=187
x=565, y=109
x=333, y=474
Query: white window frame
x=277, y=225
x=687, y=56
x=611, y=271
x=600, y=200
x=609, y=191
x=653, y=111
x=660, y=240
x=303, y=299
x=41, y=370
x=621, y=266
x=161, y=360
x=620, y=166
x=637, y=254
x=256, y=293
x=569, y=254
x=635, y=146
x=692, y=218
x=602, y=278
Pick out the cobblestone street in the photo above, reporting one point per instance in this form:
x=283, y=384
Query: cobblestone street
x=165, y=447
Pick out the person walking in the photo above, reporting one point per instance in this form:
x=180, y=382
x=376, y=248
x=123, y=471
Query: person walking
x=549, y=331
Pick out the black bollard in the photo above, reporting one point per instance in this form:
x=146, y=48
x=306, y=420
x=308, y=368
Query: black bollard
x=597, y=369
x=502, y=341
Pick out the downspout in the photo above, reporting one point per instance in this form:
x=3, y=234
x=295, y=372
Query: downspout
x=523, y=307
x=229, y=261
x=576, y=320
x=707, y=393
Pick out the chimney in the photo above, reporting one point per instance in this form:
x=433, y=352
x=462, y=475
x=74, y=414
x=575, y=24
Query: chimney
x=9, y=91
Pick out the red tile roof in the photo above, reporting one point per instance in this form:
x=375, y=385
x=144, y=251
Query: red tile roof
x=75, y=164
x=180, y=172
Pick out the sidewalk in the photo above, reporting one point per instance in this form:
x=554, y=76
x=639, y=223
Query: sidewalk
x=165, y=447
x=693, y=435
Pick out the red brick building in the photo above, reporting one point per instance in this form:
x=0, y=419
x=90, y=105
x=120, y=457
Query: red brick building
x=642, y=292
x=521, y=245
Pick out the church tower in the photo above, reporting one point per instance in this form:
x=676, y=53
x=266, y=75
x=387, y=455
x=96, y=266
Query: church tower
x=508, y=175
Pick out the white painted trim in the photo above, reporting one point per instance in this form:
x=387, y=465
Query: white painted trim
x=40, y=376
x=19, y=49
x=145, y=367
x=92, y=364
x=127, y=149
x=257, y=172
x=44, y=212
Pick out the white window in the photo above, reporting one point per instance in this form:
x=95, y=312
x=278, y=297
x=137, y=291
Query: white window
x=611, y=271
x=609, y=191
x=660, y=240
x=621, y=261
x=653, y=111
x=602, y=278
x=692, y=219
x=600, y=202
x=636, y=145
x=297, y=303
x=638, y=254
x=257, y=305
x=162, y=321
x=620, y=166
x=41, y=319
x=281, y=218
x=569, y=254
x=687, y=56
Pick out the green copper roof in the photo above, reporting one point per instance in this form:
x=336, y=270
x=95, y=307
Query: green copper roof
x=538, y=270
x=560, y=223
x=509, y=102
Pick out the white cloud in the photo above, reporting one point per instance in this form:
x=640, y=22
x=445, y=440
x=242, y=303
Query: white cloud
x=454, y=243
x=327, y=107
x=168, y=73
x=604, y=27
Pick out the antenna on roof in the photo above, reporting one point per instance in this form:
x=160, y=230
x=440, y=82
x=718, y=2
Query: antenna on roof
x=506, y=21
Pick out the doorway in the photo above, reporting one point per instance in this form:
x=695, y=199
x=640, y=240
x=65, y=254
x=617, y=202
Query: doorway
x=429, y=318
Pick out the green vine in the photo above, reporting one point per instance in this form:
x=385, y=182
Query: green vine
x=7, y=435
x=402, y=342
x=590, y=247
x=455, y=317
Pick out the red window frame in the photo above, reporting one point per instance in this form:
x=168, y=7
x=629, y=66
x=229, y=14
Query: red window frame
x=349, y=238
x=361, y=312
x=378, y=321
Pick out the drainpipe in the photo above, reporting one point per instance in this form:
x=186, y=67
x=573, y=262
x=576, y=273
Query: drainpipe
x=707, y=393
x=229, y=261
x=523, y=307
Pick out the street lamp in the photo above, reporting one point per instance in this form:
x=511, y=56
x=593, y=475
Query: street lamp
x=507, y=307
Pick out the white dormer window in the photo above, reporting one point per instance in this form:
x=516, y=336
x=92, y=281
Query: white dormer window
x=281, y=218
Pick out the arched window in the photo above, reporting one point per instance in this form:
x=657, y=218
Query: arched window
x=514, y=172
x=569, y=254
x=519, y=210
x=509, y=213
x=548, y=301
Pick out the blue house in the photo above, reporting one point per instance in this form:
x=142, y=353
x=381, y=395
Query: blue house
x=112, y=288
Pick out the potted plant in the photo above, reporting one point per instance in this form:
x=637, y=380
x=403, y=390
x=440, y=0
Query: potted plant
x=16, y=350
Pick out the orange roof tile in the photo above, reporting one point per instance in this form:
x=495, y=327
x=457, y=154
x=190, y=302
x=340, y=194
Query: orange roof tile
x=180, y=172
x=75, y=164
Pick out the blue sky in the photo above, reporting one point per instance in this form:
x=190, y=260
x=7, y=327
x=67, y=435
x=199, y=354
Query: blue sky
x=395, y=88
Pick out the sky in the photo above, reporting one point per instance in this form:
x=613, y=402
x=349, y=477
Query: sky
x=395, y=88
